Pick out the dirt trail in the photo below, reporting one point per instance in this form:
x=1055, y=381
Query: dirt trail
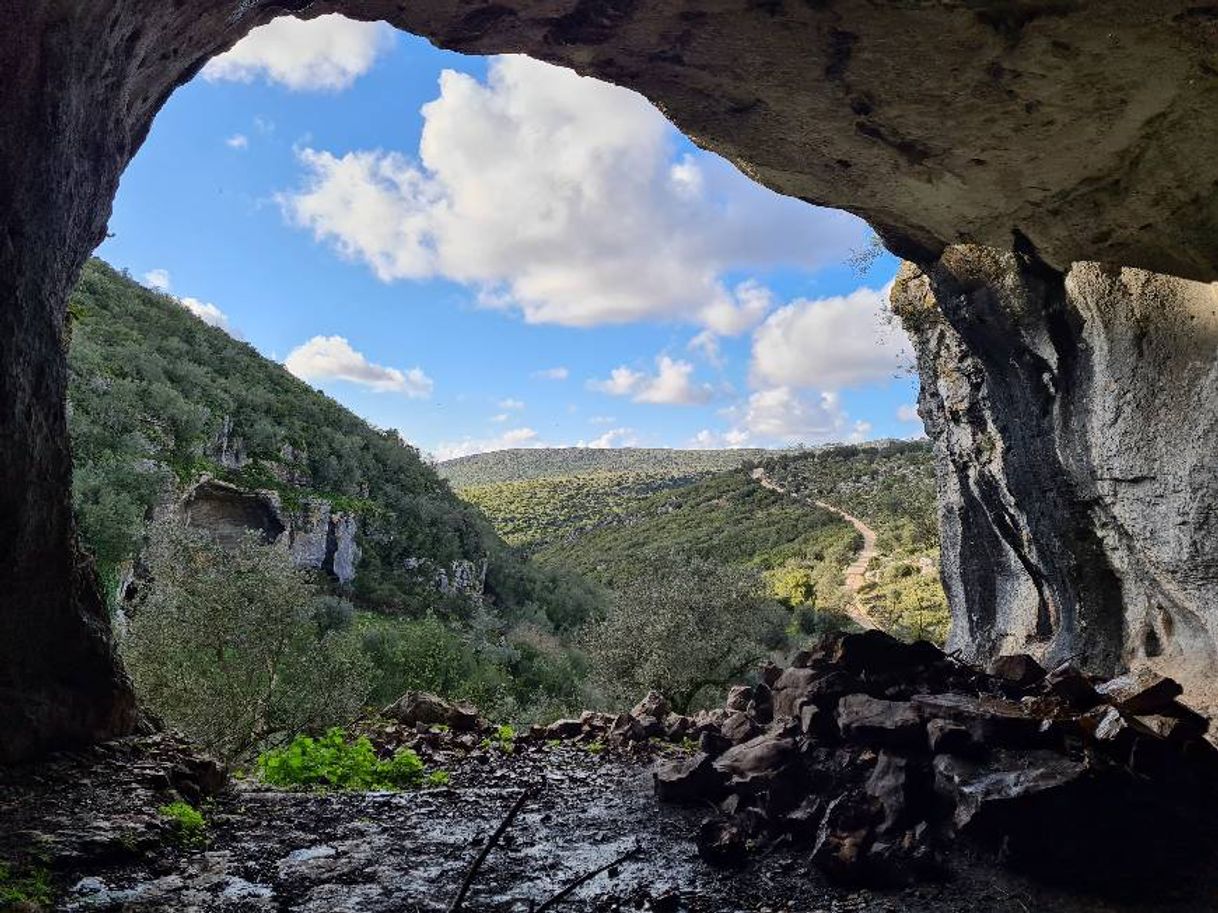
x=857, y=569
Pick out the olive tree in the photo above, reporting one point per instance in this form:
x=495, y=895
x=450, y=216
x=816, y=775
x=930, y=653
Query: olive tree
x=225, y=644
x=684, y=626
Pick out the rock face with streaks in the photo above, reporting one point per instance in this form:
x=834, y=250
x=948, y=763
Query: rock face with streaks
x=314, y=534
x=1025, y=124
x=1075, y=421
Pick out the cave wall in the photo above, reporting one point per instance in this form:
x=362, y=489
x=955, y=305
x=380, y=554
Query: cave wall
x=1076, y=131
x=1075, y=423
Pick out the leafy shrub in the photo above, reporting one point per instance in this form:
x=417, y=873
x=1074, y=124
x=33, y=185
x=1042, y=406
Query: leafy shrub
x=188, y=822
x=21, y=888
x=688, y=626
x=224, y=644
x=332, y=762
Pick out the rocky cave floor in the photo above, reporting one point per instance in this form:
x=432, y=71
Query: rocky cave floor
x=867, y=761
x=91, y=819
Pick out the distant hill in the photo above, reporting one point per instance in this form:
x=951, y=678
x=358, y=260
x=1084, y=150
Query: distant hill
x=561, y=462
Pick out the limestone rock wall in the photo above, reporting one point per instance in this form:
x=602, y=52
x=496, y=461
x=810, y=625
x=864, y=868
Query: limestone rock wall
x=315, y=535
x=1075, y=424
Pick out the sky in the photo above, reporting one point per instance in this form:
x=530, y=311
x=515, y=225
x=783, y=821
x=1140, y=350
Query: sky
x=494, y=252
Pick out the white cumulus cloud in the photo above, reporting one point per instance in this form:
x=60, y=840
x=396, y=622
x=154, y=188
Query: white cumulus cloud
x=559, y=373
x=562, y=197
x=515, y=437
x=782, y=415
x=829, y=343
x=510, y=403
x=333, y=358
x=327, y=53
x=672, y=384
x=237, y=141
x=158, y=279
x=908, y=412
x=614, y=437
x=208, y=313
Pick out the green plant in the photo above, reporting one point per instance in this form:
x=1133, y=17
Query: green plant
x=503, y=739
x=189, y=826
x=333, y=762
x=594, y=747
x=22, y=887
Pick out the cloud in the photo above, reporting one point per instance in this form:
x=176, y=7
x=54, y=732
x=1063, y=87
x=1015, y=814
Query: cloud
x=829, y=343
x=561, y=197
x=332, y=357
x=208, y=313
x=601, y=420
x=713, y=440
x=501, y=417
x=614, y=437
x=908, y=412
x=327, y=53
x=510, y=403
x=237, y=141
x=515, y=437
x=158, y=279
x=783, y=415
x=671, y=385
x=559, y=373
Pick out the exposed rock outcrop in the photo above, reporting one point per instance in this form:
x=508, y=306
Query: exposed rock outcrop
x=315, y=535
x=1075, y=421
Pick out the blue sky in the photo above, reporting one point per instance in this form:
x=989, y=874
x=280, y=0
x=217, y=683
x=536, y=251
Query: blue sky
x=486, y=253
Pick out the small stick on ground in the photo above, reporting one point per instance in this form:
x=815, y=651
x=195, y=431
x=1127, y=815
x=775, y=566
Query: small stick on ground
x=490, y=845
x=582, y=879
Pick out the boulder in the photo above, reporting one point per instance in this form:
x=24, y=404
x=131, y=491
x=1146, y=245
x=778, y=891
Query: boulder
x=947, y=737
x=739, y=727
x=564, y=729
x=770, y=673
x=653, y=704
x=991, y=720
x=1140, y=691
x=761, y=755
x=999, y=793
x=415, y=708
x=870, y=721
x=1019, y=669
x=738, y=697
x=688, y=780
x=1072, y=687
x=722, y=842
x=761, y=707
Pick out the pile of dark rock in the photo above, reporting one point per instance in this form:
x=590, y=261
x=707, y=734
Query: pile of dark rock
x=884, y=758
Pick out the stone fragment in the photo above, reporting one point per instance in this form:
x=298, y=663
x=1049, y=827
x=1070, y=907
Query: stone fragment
x=416, y=708
x=761, y=755
x=1140, y=691
x=997, y=793
x=844, y=833
x=770, y=673
x=739, y=727
x=564, y=729
x=1072, y=686
x=992, y=720
x=1017, y=668
x=761, y=707
x=947, y=737
x=653, y=704
x=713, y=743
x=807, y=717
x=738, y=697
x=692, y=779
x=870, y=721
x=721, y=842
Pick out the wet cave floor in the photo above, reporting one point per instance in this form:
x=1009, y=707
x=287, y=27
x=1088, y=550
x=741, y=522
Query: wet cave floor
x=92, y=819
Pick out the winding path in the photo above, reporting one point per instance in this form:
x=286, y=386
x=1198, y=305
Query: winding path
x=856, y=571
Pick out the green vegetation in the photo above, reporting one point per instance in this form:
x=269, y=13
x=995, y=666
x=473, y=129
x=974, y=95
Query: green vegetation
x=686, y=628
x=158, y=399
x=536, y=513
x=225, y=644
x=24, y=888
x=188, y=823
x=891, y=488
x=567, y=462
x=726, y=519
x=333, y=762
x=503, y=739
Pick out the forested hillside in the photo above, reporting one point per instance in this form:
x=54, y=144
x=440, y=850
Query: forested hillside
x=564, y=462
x=160, y=400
